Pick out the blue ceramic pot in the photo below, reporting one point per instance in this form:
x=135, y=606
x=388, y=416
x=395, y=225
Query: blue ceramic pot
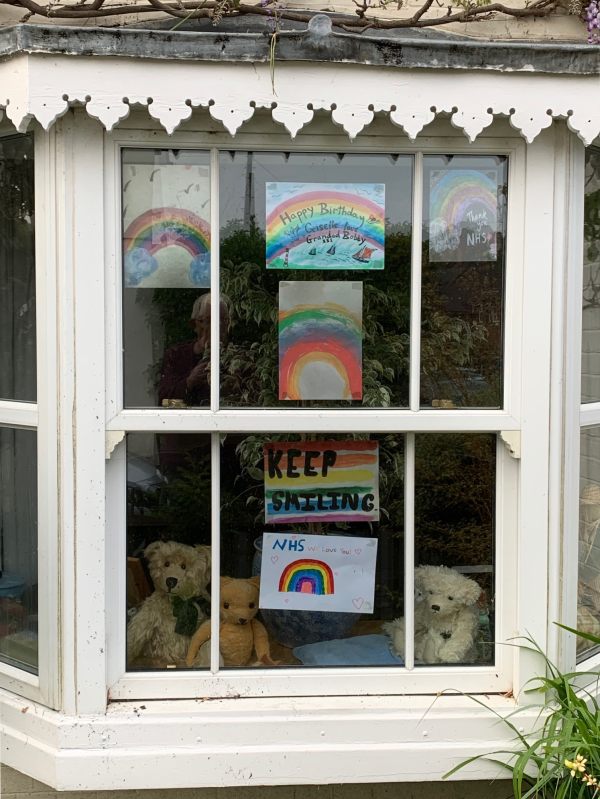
x=293, y=628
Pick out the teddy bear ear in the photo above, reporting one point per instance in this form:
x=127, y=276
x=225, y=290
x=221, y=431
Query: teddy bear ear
x=472, y=592
x=204, y=550
x=152, y=549
x=225, y=581
x=255, y=581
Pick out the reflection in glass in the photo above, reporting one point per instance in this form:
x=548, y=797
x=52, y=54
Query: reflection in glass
x=166, y=272
x=314, y=637
x=347, y=205
x=18, y=549
x=464, y=233
x=588, y=587
x=17, y=270
x=168, y=552
x=454, y=540
x=590, y=344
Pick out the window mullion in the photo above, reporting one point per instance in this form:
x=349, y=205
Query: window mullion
x=215, y=513
x=409, y=551
x=215, y=318
x=415, y=285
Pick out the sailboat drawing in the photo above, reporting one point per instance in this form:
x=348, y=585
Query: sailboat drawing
x=331, y=250
x=364, y=254
x=313, y=251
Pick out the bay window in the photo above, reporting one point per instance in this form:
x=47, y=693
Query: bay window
x=294, y=369
x=355, y=403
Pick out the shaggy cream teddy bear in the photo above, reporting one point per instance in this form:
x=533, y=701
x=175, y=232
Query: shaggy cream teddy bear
x=446, y=617
x=161, y=630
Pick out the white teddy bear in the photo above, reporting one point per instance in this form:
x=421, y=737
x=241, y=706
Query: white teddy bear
x=161, y=630
x=446, y=617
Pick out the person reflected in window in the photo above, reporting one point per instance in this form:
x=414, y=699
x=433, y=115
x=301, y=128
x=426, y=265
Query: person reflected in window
x=185, y=374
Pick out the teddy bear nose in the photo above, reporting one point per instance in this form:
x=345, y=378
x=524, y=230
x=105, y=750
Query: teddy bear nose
x=171, y=582
x=435, y=607
x=243, y=621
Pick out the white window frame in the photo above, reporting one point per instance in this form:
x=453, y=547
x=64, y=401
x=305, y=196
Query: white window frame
x=41, y=417
x=305, y=681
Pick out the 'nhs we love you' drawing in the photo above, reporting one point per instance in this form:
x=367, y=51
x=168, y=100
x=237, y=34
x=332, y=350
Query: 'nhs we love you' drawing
x=333, y=573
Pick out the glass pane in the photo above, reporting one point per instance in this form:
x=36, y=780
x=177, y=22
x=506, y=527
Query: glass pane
x=316, y=579
x=315, y=271
x=17, y=270
x=166, y=277
x=464, y=235
x=18, y=549
x=590, y=344
x=168, y=552
x=588, y=593
x=455, y=510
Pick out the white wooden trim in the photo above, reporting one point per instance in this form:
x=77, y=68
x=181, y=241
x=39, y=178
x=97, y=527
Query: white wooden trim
x=532, y=584
x=43, y=87
x=233, y=742
x=415, y=284
x=326, y=420
x=18, y=414
x=565, y=453
x=47, y=444
x=84, y=460
x=409, y=550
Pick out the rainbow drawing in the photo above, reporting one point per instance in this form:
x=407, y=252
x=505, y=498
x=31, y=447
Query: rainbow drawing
x=158, y=229
x=323, y=481
x=325, y=225
x=307, y=576
x=463, y=213
x=320, y=340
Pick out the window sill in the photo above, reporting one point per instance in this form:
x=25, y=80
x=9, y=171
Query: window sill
x=231, y=742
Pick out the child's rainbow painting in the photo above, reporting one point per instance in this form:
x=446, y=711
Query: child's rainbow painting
x=320, y=340
x=463, y=215
x=166, y=223
x=321, y=481
x=307, y=576
x=314, y=572
x=325, y=225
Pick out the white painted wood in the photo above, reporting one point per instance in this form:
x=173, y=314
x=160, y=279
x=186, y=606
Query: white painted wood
x=47, y=444
x=532, y=585
x=409, y=550
x=325, y=420
x=415, y=284
x=86, y=271
x=18, y=414
x=256, y=742
x=36, y=85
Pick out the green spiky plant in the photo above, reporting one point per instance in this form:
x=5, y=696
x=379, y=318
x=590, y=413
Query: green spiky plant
x=560, y=758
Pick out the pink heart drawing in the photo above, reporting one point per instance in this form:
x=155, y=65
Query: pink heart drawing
x=357, y=551
x=358, y=602
x=286, y=600
x=274, y=558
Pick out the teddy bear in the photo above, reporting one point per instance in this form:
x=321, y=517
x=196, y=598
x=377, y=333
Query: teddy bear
x=240, y=634
x=161, y=630
x=446, y=617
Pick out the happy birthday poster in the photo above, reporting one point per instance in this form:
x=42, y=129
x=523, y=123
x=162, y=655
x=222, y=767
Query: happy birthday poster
x=320, y=340
x=166, y=224
x=463, y=215
x=333, y=573
x=323, y=481
x=325, y=225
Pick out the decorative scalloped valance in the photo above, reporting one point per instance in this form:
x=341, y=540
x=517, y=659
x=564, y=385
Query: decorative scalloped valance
x=42, y=87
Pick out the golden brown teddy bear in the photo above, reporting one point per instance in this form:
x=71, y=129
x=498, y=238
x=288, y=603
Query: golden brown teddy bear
x=240, y=634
